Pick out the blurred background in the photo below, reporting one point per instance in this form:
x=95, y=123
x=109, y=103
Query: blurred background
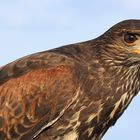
x=29, y=26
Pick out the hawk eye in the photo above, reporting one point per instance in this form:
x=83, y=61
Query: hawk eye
x=130, y=38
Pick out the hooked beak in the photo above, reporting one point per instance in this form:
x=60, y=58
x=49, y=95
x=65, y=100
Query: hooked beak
x=136, y=47
x=136, y=51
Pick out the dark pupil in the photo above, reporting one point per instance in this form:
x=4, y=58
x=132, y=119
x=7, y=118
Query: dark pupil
x=130, y=38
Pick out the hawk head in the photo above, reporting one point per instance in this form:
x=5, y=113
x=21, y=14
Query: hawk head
x=121, y=43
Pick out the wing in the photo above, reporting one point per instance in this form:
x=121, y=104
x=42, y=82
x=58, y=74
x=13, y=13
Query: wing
x=34, y=93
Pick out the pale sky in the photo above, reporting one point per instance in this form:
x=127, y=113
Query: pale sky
x=29, y=26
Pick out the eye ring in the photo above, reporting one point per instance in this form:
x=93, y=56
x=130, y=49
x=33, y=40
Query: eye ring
x=130, y=38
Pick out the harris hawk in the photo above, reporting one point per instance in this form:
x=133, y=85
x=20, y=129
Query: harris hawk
x=74, y=92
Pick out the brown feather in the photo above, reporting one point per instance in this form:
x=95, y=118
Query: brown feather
x=75, y=92
x=34, y=99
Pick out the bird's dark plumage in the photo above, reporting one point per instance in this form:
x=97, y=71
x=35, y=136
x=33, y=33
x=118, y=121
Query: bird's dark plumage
x=75, y=92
